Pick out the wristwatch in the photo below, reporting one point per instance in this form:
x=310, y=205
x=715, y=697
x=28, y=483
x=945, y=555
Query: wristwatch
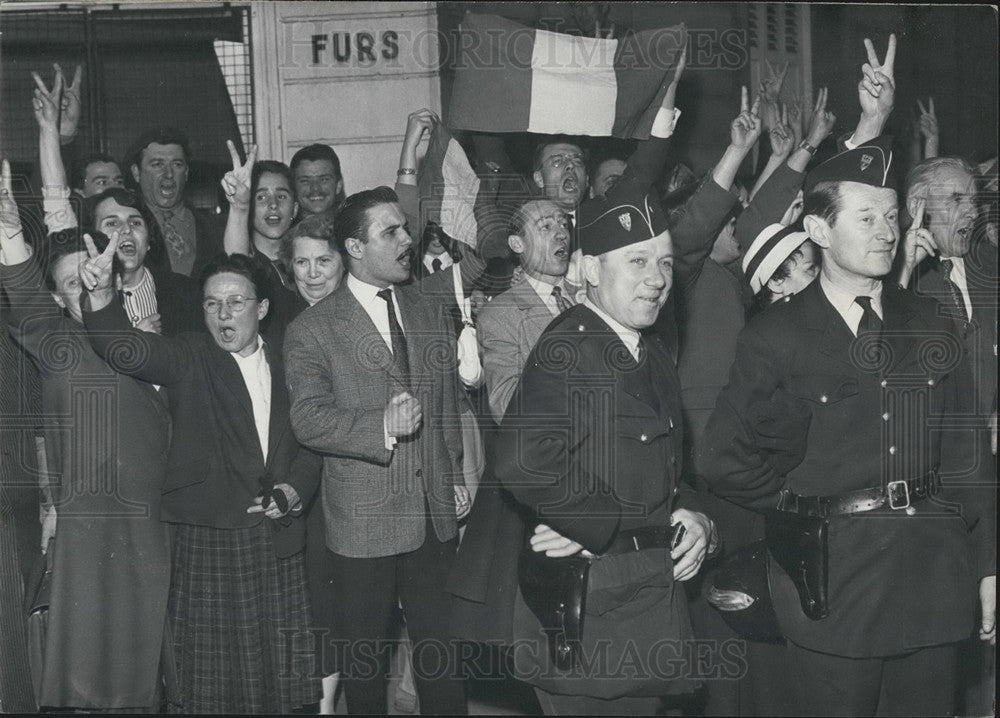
x=804, y=145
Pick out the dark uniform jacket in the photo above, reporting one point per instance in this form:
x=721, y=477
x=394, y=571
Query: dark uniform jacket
x=592, y=450
x=897, y=582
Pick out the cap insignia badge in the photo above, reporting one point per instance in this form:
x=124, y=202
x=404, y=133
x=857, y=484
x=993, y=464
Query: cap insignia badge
x=865, y=161
x=626, y=221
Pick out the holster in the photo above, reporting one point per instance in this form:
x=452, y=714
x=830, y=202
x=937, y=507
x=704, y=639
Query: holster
x=555, y=589
x=800, y=546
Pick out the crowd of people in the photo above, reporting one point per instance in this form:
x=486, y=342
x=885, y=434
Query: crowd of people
x=280, y=446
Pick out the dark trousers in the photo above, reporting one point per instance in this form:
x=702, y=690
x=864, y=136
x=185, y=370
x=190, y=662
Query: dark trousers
x=921, y=683
x=365, y=595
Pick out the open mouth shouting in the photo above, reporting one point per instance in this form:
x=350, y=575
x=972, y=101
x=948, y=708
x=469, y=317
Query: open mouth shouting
x=405, y=257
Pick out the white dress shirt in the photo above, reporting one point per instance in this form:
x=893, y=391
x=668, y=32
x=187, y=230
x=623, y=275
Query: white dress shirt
x=375, y=307
x=257, y=377
x=843, y=301
x=630, y=337
x=446, y=261
x=544, y=292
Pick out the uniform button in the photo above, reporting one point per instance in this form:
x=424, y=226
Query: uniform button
x=643, y=438
x=892, y=450
x=884, y=383
x=823, y=399
x=579, y=328
x=911, y=511
x=930, y=382
x=885, y=416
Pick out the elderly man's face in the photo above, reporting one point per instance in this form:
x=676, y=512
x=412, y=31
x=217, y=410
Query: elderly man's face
x=631, y=283
x=563, y=175
x=543, y=251
x=950, y=210
x=162, y=175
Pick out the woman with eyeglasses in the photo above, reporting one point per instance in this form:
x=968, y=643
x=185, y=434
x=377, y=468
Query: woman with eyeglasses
x=236, y=484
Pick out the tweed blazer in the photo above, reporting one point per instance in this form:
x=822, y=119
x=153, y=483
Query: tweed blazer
x=341, y=376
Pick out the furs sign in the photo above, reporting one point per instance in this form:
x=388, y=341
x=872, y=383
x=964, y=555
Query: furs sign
x=361, y=48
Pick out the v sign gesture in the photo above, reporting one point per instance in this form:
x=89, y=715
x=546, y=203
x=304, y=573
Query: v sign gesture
x=877, y=88
x=236, y=182
x=95, y=272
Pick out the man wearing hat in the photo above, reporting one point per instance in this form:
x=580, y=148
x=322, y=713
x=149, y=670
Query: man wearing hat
x=590, y=446
x=908, y=507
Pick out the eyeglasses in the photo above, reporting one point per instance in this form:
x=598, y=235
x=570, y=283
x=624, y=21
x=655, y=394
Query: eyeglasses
x=235, y=303
x=560, y=161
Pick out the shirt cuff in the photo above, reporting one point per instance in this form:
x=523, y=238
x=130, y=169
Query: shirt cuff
x=57, y=208
x=390, y=441
x=850, y=144
x=665, y=122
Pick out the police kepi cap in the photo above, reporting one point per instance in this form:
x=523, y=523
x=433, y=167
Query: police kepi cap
x=869, y=164
x=630, y=214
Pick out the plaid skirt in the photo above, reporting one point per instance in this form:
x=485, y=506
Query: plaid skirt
x=239, y=616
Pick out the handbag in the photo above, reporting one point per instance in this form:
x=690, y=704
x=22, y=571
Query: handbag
x=37, y=595
x=555, y=590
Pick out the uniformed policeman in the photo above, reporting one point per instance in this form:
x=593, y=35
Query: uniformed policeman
x=909, y=507
x=591, y=450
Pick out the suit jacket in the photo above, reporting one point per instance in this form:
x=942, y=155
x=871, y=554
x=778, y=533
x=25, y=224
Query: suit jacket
x=215, y=467
x=509, y=327
x=341, y=376
x=980, y=335
x=897, y=582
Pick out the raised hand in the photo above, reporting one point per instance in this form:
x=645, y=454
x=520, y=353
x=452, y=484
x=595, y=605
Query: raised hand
x=918, y=244
x=670, y=98
x=928, y=125
x=822, y=121
x=877, y=88
x=795, y=118
x=95, y=272
x=746, y=128
x=46, y=102
x=782, y=136
x=236, y=182
x=770, y=87
x=417, y=123
x=71, y=106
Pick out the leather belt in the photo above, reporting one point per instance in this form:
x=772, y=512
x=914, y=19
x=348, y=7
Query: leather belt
x=897, y=495
x=640, y=539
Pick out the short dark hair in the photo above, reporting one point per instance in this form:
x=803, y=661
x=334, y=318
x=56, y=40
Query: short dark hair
x=352, y=220
x=78, y=172
x=253, y=268
x=156, y=254
x=314, y=153
x=546, y=141
x=825, y=201
x=270, y=167
x=64, y=243
x=161, y=136
x=317, y=227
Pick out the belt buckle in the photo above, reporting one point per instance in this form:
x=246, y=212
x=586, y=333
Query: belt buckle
x=893, y=491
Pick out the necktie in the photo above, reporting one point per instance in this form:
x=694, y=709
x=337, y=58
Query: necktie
x=958, y=304
x=174, y=240
x=561, y=302
x=436, y=265
x=570, y=225
x=640, y=351
x=870, y=321
x=396, y=333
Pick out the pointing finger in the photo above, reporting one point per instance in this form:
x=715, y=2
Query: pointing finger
x=755, y=110
x=923, y=110
x=40, y=83
x=890, y=56
x=5, y=182
x=251, y=157
x=233, y=155
x=930, y=101
x=112, y=247
x=77, y=78
x=91, y=249
x=918, y=217
x=744, y=99
x=870, y=49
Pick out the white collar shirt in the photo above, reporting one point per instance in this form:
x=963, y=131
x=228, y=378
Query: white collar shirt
x=257, y=378
x=843, y=301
